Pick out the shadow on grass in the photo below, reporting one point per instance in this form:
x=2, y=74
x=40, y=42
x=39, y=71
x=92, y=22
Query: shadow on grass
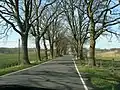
x=105, y=84
x=18, y=87
x=108, y=63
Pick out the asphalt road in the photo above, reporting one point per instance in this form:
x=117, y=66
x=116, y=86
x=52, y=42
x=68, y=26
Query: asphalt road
x=58, y=74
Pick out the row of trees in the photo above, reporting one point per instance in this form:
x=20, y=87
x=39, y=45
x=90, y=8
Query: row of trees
x=64, y=23
x=41, y=18
x=88, y=20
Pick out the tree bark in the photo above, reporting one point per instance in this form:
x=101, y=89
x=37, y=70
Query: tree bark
x=92, y=42
x=25, y=49
x=51, y=44
x=52, y=50
x=65, y=50
x=77, y=49
x=81, y=52
x=92, y=32
x=57, y=52
x=37, y=42
x=92, y=51
x=45, y=46
x=57, y=49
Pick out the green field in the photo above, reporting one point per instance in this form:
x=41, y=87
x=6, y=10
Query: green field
x=10, y=62
x=7, y=60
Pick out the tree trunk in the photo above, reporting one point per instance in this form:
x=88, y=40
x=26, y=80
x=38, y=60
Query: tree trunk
x=45, y=46
x=25, y=49
x=37, y=42
x=52, y=50
x=81, y=52
x=57, y=45
x=57, y=51
x=92, y=42
x=65, y=50
x=77, y=49
x=92, y=51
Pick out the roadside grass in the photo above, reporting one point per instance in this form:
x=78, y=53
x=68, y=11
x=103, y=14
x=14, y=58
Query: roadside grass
x=10, y=62
x=18, y=67
x=105, y=77
x=13, y=69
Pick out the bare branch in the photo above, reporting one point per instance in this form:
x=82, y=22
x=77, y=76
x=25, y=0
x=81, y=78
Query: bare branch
x=42, y=11
x=13, y=26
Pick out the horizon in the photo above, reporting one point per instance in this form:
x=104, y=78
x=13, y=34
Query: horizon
x=102, y=42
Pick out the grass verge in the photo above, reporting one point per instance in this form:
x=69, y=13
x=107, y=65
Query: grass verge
x=13, y=69
x=101, y=78
x=18, y=67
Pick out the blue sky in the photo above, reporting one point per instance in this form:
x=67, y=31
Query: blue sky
x=102, y=42
x=105, y=42
x=13, y=40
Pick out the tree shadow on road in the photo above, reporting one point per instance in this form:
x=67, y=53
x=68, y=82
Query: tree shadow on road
x=56, y=75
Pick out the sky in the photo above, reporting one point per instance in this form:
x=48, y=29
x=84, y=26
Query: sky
x=13, y=41
x=106, y=43
x=102, y=42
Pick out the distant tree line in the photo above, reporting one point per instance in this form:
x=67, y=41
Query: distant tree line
x=15, y=50
x=111, y=49
x=8, y=50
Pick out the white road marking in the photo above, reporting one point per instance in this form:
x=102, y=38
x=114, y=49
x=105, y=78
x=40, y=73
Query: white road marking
x=80, y=76
x=24, y=69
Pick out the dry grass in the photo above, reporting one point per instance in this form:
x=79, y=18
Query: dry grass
x=108, y=55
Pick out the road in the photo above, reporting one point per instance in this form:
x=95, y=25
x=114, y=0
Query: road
x=58, y=74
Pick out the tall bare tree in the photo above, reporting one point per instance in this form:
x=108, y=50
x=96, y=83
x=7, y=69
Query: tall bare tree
x=78, y=23
x=98, y=13
x=54, y=29
x=17, y=14
x=61, y=44
x=40, y=27
x=45, y=46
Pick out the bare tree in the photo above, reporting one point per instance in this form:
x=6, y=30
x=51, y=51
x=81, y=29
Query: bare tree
x=41, y=26
x=45, y=46
x=78, y=23
x=21, y=16
x=61, y=43
x=17, y=14
x=97, y=12
x=54, y=29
